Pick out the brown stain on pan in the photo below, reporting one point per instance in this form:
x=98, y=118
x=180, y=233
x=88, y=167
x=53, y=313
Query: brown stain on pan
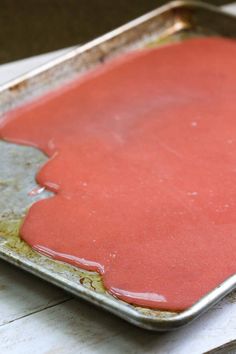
x=9, y=229
x=231, y=298
x=18, y=86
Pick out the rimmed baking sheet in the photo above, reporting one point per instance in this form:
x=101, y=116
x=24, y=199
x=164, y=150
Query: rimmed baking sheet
x=177, y=21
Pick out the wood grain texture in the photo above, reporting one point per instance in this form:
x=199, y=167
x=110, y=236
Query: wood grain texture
x=22, y=294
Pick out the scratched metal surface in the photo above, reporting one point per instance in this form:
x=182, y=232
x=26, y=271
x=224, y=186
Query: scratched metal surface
x=20, y=164
x=17, y=179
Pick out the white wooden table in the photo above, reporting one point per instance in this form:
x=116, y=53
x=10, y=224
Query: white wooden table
x=38, y=318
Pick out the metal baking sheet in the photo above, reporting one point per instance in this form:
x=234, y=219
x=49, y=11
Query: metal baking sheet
x=175, y=21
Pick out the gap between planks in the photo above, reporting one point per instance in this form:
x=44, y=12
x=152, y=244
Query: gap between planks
x=36, y=311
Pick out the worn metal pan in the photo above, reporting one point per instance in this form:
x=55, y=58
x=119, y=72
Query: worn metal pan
x=177, y=21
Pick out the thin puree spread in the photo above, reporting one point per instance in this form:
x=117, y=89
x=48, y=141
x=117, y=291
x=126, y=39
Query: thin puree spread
x=142, y=160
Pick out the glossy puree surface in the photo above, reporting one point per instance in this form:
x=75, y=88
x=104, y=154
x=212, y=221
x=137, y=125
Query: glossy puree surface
x=143, y=163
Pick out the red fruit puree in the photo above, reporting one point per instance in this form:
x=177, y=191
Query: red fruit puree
x=142, y=157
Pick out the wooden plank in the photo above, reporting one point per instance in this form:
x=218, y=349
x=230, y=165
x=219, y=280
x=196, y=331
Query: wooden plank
x=77, y=327
x=229, y=347
x=22, y=294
